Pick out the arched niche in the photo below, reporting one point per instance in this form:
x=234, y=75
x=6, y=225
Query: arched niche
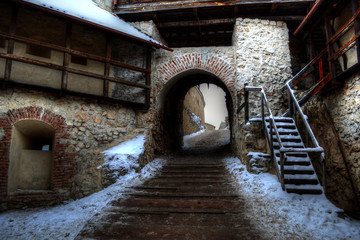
x=31, y=156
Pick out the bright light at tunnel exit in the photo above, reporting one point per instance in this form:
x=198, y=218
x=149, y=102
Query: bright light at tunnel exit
x=215, y=104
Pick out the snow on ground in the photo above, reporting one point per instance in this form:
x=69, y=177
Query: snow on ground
x=203, y=138
x=290, y=216
x=124, y=157
x=65, y=221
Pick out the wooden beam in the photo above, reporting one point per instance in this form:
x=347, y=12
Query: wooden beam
x=107, y=66
x=148, y=78
x=196, y=23
x=273, y=9
x=73, y=52
x=224, y=21
x=67, y=56
x=71, y=70
x=166, y=5
x=10, y=49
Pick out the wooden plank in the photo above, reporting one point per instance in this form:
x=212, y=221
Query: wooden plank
x=345, y=47
x=320, y=85
x=148, y=78
x=107, y=66
x=10, y=49
x=328, y=31
x=197, y=23
x=344, y=29
x=73, y=52
x=143, y=7
x=67, y=56
x=71, y=70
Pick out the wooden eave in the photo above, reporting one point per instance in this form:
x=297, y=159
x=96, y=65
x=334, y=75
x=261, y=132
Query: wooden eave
x=151, y=6
x=92, y=24
x=184, y=23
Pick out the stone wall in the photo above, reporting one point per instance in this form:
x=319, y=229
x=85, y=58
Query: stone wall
x=335, y=121
x=91, y=127
x=262, y=59
x=193, y=114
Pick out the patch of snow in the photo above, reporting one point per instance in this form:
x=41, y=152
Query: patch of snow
x=124, y=157
x=187, y=137
x=89, y=11
x=66, y=221
x=290, y=216
x=197, y=120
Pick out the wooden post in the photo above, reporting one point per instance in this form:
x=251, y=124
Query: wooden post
x=67, y=56
x=246, y=96
x=291, y=109
x=148, y=77
x=107, y=66
x=328, y=31
x=355, y=6
x=10, y=49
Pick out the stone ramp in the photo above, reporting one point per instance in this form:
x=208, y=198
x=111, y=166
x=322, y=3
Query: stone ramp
x=191, y=198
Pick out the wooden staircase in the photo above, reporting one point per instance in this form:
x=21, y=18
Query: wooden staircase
x=290, y=155
x=299, y=173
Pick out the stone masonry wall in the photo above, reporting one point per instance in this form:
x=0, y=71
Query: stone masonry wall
x=262, y=58
x=259, y=56
x=193, y=110
x=92, y=127
x=335, y=120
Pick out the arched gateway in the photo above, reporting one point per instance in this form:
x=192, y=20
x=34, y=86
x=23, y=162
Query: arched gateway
x=179, y=75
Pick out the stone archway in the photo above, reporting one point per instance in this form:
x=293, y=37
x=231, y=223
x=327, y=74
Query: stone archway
x=173, y=99
x=183, y=71
x=220, y=68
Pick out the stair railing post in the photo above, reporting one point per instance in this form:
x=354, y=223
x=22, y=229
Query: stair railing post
x=282, y=159
x=307, y=139
x=271, y=139
x=291, y=109
x=323, y=172
x=246, y=95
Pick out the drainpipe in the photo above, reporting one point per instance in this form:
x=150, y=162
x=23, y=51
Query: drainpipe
x=308, y=16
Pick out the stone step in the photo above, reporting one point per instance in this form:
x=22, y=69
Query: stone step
x=185, y=189
x=150, y=232
x=224, y=195
x=179, y=219
x=191, y=179
x=209, y=203
x=168, y=210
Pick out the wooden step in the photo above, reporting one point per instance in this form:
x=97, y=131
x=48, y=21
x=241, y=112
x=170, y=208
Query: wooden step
x=304, y=191
x=301, y=181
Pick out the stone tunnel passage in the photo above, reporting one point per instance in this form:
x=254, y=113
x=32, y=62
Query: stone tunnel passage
x=173, y=104
x=31, y=156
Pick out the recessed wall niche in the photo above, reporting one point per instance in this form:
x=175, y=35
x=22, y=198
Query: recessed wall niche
x=31, y=156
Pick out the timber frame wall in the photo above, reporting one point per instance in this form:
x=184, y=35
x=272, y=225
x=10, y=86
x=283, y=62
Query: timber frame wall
x=12, y=37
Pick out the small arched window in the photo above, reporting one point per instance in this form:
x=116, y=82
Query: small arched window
x=31, y=156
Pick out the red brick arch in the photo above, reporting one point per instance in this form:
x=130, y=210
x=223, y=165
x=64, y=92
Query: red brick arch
x=215, y=65
x=63, y=161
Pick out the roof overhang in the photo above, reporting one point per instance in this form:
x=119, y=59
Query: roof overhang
x=139, y=37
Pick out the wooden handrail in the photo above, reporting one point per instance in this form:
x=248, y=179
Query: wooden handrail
x=71, y=70
x=344, y=29
x=73, y=52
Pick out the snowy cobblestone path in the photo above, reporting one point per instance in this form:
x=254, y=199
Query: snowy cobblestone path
x=191, y=198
